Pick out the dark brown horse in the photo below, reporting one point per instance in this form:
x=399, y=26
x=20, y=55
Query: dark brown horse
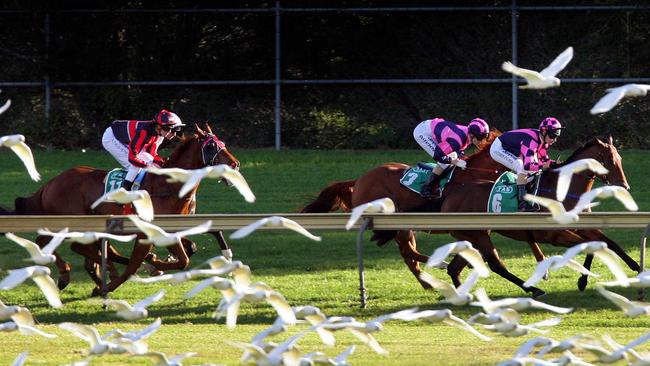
x=74, y=190
x=384, y=181
x=473, y=197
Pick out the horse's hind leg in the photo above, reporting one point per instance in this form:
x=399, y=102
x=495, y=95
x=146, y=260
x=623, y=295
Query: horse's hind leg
x=454, y=269
x=406, y=243
x=179, y=253
x=137, y=257
x=536, y=250
x=63, y=267
x=225, y=248
x=481, y=241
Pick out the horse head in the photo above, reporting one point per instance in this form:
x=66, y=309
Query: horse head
x=201, y=149
x=606, y=154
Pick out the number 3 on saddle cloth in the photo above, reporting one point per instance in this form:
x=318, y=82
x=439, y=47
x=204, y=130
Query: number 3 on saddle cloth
x=503, y=196
x=416, y=177
x=113, y=181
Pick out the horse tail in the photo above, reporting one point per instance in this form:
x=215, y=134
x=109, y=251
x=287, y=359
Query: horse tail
x=337, y=195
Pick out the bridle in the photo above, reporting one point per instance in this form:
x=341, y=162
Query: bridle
x=209, y=140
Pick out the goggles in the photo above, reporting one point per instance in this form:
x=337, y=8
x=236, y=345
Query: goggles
x=171, y=128
x=554, y=133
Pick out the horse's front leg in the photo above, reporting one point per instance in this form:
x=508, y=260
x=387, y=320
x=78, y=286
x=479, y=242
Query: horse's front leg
x=482, y=243
x=138, y=254
x=536, y=250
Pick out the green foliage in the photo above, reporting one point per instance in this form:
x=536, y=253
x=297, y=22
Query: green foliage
x=322, y=274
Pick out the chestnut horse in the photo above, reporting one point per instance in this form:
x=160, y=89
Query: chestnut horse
x=473, y=197
x=74, y=190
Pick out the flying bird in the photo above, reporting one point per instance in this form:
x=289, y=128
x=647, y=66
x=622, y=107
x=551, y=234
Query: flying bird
x=557, y=210
x=174, y=278
x=160, y=238
x=455, y=296
x=20, y=360
x=631, y=308
x=37, y=255
x=273, y=221
x=447, y=317
x=278, y=326
x=140, y=200
x=193, y=177
x=382, y=205
x=258, y=293
x=18, y=314
x=508, y=329
x=515, y=303
x=41, y=276
x=618, y=192
x=614, y=96
x=568, y=170
x=90, y=335
x=466, y=250
x=24, y=329
x=284, y=353
x=17, y=144
x=599, y=250
x=545, y=78
x=554, y=263
x=136, y=311
x=87, y=237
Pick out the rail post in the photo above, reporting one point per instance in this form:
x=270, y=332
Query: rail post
x=642, y=258
x=367, y=223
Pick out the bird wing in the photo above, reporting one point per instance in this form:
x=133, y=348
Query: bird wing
x=540, y=271
x=195, y=177
x=101, y=199
x=559, y=63
x=625, y=197
x=177, y=175
x=149, y=300
x=149, y=229
x=368, y=339
x=49, y=289
x=356, y=214
x=526, y=348
x=292, y=225
x=199, y=229
x=21, y=357
x=5, y=106
x=148, y=331
x=254, y=350
x=161, y=278
x=524, y=73
x=85, y=332
x=118, y=305
x=242, y=276
x=595, y=166
x=556, y=309
x=202, y=285
x=232, y=309
x=608, y=257
x=120, y=238
x=574, y=265
x=618, y=300
x=608, y=101
x=144, y=206
x=158, y=357
x=54, y=242
x=469, y=283
x=246, y=230
x=25, y=154
x=178, y=358
x=440, y=254
x=236, y=179
x=475, y=258
x=32, y=248
x=565, y=174
x=23, y=317
x=556, y=208
x=283, y=308
x=16, y=277
x=446, y=289
x=458, y=322
x=341, y=357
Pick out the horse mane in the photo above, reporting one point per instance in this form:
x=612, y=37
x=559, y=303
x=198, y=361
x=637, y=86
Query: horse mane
x=485, y=148
x=578, y=151
x=186, y=142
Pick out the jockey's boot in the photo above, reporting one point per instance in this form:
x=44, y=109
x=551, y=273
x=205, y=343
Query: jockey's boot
x=126, y=184
x=427, y=189
x=524, y=206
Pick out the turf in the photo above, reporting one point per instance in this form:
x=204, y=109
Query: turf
x=322, y=274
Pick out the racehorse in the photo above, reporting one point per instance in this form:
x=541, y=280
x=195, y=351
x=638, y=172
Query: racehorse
x=473, y=197
x=73, y=191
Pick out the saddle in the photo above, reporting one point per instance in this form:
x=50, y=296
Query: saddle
x=415, y=177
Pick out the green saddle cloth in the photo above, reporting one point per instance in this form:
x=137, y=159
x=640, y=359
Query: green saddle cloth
x=114, y=179
x=503, y=196
x=415, y=177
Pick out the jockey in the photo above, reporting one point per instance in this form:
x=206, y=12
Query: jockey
x=524, y=150
x=134, y=144
x=445, y=142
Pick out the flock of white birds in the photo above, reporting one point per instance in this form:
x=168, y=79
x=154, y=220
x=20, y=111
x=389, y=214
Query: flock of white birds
x=233, y=278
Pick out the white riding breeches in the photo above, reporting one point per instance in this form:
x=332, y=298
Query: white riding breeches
x=423, y=136
x=512, y=162
x=121, y=153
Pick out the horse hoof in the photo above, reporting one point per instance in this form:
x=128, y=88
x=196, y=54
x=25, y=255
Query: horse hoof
x=582, y=283
x=537, y=293
x=156, y=273
x=63, y=281
x=96, y=292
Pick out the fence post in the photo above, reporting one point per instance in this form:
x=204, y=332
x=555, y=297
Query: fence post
x=278, y=76
x=362, y=282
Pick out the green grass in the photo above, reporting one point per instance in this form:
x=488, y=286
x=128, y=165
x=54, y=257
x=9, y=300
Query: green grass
x=323, y=274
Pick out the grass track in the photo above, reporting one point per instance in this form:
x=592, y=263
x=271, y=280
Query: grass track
x=323, y=274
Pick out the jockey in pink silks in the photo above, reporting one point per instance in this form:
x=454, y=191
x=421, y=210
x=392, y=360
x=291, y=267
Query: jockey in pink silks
x=445, y=142
x=524, y=151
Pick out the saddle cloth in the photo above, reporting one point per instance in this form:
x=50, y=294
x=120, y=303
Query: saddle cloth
x=113, y=179
x=415, y=177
